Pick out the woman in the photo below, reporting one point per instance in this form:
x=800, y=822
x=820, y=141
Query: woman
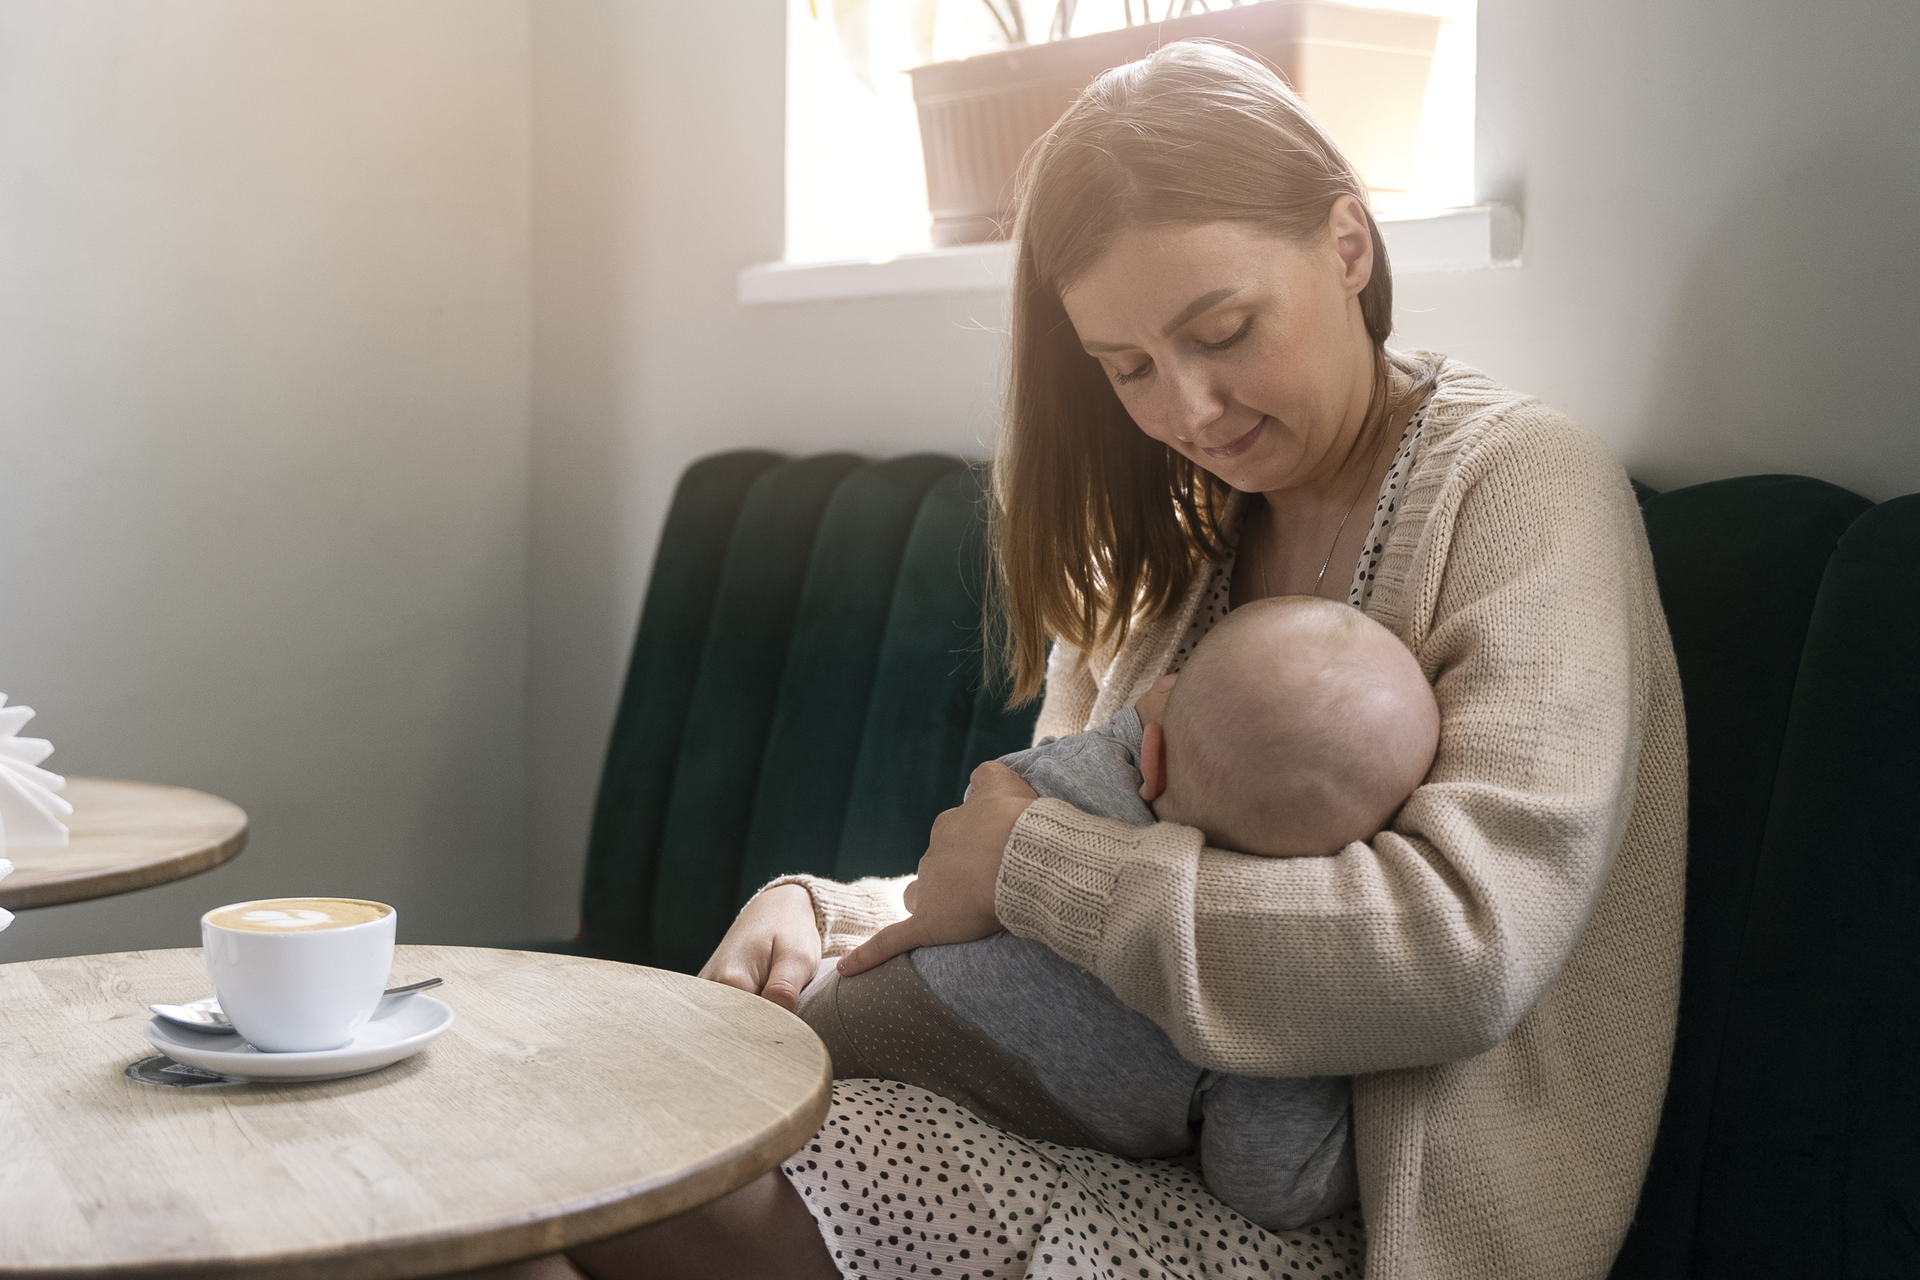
x=1201, y=404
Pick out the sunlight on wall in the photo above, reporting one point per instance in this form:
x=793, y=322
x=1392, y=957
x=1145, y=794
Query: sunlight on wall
x=856, y=188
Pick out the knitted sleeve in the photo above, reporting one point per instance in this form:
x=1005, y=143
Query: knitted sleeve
x=1526, y=601
x=848, y=914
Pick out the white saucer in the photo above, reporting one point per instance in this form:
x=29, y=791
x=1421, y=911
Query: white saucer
x=398, y=1029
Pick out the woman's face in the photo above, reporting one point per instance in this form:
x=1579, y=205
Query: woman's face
x=1242, y=350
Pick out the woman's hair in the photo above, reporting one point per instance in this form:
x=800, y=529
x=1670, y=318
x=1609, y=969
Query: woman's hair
x=1094, y=522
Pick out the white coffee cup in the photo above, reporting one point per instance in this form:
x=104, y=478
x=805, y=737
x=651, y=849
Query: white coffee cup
x=299, y=974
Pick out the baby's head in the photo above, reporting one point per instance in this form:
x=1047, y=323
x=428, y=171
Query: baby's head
x=1298, y=726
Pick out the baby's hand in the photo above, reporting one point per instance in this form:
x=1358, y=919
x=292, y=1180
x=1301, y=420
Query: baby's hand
x=1152, y=707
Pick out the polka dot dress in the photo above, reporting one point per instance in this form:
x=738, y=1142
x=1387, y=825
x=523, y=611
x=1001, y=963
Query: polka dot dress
x=902, y=1182
x=1214, y=605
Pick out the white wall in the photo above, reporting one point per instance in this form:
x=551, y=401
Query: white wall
x=263, y=444
x=1721, y=260
x=1722, y=257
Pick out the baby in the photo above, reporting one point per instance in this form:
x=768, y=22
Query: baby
x=1298, y=726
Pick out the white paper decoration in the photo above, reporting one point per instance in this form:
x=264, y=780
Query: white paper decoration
x=30, y=812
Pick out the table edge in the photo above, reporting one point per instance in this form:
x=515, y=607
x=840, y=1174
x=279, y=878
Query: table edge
x=84, y=886
x=550, y=1231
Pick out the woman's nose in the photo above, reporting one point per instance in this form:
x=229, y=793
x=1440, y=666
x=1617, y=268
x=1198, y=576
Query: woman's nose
x=1193, y=403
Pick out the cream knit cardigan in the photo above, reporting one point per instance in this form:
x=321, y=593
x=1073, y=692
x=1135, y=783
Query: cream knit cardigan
x=1500, y=971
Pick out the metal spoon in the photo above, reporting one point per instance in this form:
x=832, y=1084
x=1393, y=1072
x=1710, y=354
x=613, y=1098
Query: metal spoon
x=205, y=1014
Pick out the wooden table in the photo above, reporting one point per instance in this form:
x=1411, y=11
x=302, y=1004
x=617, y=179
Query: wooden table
x=123, y=836
x=572, y=1100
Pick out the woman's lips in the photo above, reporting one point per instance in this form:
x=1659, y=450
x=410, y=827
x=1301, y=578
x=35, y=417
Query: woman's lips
x=1234, y=448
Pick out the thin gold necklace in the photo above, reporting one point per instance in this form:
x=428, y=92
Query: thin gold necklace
x=1265, y=591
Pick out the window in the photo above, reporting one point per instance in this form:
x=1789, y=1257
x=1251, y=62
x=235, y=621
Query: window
x=856, y=185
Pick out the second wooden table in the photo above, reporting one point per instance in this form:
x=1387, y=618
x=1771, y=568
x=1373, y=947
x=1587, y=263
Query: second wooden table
x=123, y=836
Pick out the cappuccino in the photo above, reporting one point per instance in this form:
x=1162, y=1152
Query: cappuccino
x=296, y=915
x=299, y=975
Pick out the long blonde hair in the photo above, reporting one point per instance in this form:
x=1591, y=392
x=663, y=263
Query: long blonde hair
x=1094, y=523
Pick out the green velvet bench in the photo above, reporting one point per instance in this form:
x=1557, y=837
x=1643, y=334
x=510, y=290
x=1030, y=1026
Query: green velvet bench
x=806, y=694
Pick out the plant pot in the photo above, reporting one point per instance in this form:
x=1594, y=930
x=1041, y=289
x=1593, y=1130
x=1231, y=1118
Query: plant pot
x=1363, y=72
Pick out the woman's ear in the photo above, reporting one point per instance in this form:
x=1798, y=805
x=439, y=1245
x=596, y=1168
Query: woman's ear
x=1353, y=241
x=1153, y=762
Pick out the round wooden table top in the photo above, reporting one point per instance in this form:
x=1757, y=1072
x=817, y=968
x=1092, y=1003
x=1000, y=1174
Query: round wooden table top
x=122, y=836
x=571, y=1100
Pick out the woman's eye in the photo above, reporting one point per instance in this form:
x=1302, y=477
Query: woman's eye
x=1139, y=371
x=1230, y=339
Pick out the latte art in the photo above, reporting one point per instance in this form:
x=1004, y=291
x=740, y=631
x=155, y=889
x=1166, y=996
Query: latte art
x=296, y=915
x=268, y=918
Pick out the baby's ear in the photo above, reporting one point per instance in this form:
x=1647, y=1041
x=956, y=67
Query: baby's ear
x=1153, y=762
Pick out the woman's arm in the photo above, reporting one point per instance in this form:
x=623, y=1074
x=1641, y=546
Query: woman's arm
x=1528, y=604
x=845, y=915
x=775, y=944
x=952, y=898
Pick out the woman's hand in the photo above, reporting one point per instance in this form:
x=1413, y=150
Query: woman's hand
x=772, y=949
x=952, y=901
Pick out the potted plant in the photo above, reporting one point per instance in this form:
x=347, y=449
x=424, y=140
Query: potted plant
x=1362, y=71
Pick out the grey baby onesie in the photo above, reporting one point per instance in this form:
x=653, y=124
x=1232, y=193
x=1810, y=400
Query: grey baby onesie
x=1036, y=1044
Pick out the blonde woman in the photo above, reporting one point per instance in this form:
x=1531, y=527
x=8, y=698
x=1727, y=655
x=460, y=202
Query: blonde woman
x=1203, y=412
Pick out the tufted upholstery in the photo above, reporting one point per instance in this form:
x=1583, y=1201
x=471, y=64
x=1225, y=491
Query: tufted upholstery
x=1790, y=1141
x=805, y=694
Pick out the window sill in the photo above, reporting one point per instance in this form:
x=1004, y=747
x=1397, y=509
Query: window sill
x=1470, y=239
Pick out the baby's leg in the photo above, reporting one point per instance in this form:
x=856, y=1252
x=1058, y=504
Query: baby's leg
x=1279, y=1151
x=1113, y=1069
